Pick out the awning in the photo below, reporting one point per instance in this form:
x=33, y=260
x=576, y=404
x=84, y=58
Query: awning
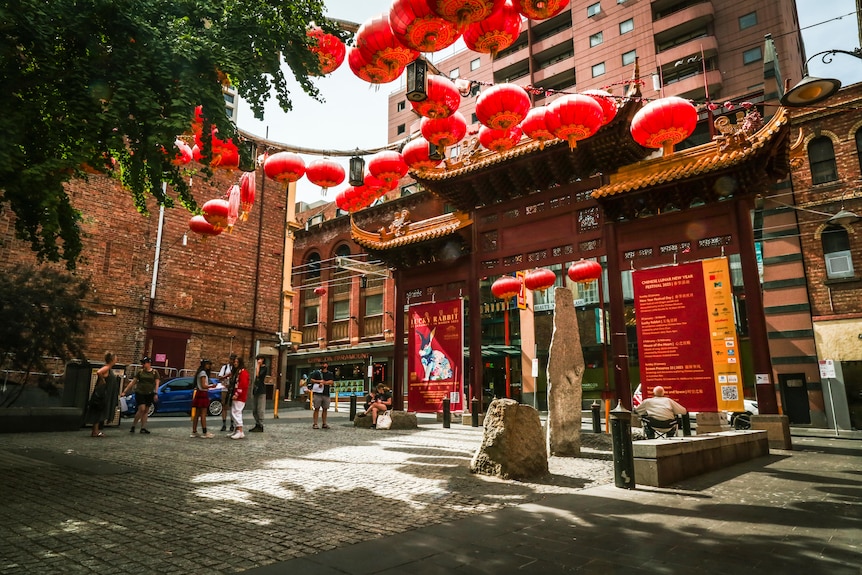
x=493, y=350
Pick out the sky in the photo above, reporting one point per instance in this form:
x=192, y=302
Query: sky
x=354, y=113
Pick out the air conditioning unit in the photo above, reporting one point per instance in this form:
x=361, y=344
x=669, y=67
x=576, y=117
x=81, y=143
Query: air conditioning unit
x=839, y=265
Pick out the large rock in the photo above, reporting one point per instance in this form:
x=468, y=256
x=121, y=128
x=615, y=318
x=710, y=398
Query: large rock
x=565, y=375
x=513, y=446
x=400, y=420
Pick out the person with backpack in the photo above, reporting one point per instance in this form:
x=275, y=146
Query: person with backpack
x=322, y=380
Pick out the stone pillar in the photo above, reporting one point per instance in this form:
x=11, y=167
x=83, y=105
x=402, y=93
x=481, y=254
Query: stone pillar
x=565, y=374
x=777, y=429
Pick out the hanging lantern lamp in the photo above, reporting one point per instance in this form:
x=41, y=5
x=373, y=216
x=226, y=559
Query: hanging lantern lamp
x=573, y=118
x=496, y=32
x=441, y=98
x=284, y=167
x=417, y=156
x=417, y=27
x=540, y=9
x=585, y=271
x=444, y=132
x=606, y=101
x=330, y=50
x=499, y=140
x=464, y=12
x=506, y=287
x=325, y=173
x=356, y=171
x=540, y=279
x=502, y=106
x=535, y=127
x=664, y=123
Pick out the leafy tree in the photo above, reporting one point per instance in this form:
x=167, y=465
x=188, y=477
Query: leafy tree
x=43, y=316
x=108, y=85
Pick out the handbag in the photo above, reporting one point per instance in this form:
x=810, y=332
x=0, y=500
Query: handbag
x=124, y=404
x=384, y=421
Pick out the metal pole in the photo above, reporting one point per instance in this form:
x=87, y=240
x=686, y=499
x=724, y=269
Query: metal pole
x=447, y=414
x=686, y=424
x=624, y=462
x=474, y=412
x=352, y=407
x=597, y=418
x=832, y=405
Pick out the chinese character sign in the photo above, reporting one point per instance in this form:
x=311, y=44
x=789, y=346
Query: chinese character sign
x=687, y=334
x=435, y=355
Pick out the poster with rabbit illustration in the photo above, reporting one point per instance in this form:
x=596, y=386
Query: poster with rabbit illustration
x=435, y=355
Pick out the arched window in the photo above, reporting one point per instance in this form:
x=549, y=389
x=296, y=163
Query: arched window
x=859, y=147
x=836, y=252
x=821, y=157
x=312, y=266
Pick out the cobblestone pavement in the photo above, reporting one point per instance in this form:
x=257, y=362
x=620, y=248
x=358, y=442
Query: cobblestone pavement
x=170, y=504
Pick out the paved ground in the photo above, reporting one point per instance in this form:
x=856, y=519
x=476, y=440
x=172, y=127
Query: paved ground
x=294, y=500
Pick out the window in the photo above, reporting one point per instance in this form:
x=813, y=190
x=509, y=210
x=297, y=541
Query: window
x=374, y=305
x=474, y=118
x=821, y=158
x=836, y=252
x=627, y=26
x=401, y=128
x=311, y=314
x=753, y=55
x=596, y=39
x=312, y=266
x=629, y=57
x=748, y=20
x=401, y=106
x=456, y=73
x=598, y=69
x=341, y=310
x=594, y=9
x=859, y=147
x=474, y=64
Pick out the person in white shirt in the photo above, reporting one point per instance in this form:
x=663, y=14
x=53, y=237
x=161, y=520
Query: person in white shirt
x=226, y=394
x=662, y=410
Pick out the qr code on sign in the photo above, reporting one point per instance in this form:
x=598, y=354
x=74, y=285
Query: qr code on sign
x=729, y=393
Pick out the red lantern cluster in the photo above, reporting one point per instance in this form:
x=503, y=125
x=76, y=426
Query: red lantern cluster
x=442, y=98
x=540, y=279
x=416, y=155
x=573, y=118
x=417, y=27
x=216, y=212
x=284, y=167
x=585, y=271
x=502, y=106
x=325, y=173
x=664, y=123
x=199, y=225
x=357, y=198
x=535, y=127
x=496, y=32
x=330, y=50
x=499, y=140
x=443, y=132
x=225, y=154
x=506, y=287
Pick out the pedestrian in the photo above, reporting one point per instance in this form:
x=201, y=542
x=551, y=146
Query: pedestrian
x=258, y=392
x=201, y=399
x=379, y=404
x=97, y=407
x=322, y=380
x=224, y=378
x=146, y=384
x=240, y=395
x=660, y=413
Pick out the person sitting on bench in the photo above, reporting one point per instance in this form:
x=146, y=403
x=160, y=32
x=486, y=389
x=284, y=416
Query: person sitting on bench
x=659, y=414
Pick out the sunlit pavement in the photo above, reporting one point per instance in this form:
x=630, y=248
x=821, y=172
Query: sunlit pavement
x=297, y=500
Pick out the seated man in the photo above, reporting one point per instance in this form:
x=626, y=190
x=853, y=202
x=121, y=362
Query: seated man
x=662, y=412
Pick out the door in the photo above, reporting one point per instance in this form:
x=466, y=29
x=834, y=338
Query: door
x=168, y=351
x=794, y=395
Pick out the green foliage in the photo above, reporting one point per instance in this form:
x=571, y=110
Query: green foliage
x=43, y=316
x=108, y=85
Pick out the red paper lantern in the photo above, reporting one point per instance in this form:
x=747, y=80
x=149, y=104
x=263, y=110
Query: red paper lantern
x=388, y=166
x=464, y=12
x=585, y=271
x=330, y=50
x=325, y=173
x=495, y=33
x=664, y=123
x=499, y=140
x=535, y=127
x=417, y=27
x=442, y=101
x=199, y=225
x=380, y=47
x=284, y=167
x=372, y=73
x=606, y=101
x=320, y=290
x=506, y=287
x=444, y=132
x=233, y=202
x=574, y=118
x=416, y=155
x=185, y=154
x=540, y=279
x=216, y=212
x=502, y=106
x=247, y=192
x=540, y=9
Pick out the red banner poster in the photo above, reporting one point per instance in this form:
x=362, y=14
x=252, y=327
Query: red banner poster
x=435, y=356
x=687, y=334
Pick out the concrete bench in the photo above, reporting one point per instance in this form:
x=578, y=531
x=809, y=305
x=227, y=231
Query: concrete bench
x=662, y=462
x=400, y=420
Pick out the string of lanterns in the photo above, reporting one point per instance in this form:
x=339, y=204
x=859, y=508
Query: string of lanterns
x=541, y=279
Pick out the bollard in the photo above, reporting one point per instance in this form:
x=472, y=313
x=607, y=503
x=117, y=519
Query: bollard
x=474, y=412
x=597, y=418
x=275, y=403
x=352, y=407
x=447, y=414
x=686, y=425
x=624, y=461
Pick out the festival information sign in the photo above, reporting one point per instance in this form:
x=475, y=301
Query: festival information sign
x=435, y=355
x=687, y=334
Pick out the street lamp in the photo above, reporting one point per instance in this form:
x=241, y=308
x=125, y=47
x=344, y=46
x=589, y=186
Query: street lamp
x=812, y=90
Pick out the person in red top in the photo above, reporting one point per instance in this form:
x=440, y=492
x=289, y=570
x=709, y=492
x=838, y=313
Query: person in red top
x=240, y=395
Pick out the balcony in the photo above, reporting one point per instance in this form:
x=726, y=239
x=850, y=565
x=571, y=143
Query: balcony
x=692, y=86
x=540, y=76
x=514, y=59
x=339, y=330
x=688, y=18
x=372, y=326
x=690, y=49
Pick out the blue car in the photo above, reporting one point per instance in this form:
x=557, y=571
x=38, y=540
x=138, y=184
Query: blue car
x=175, y=396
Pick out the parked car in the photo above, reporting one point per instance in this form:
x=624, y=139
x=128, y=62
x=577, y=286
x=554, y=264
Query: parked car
x=175, y=396
x=742, y=419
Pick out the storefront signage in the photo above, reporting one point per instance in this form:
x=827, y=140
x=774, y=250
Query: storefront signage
x=687, y=334
x=435, y=356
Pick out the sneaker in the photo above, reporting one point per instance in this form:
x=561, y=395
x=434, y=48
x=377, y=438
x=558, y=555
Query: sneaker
x=257, y=429
x=145, y=431
x=373, y=426
x=195, y=434
x=231, y=427
x=207, y=436
x=224, y=427
x=238, y=435
x=132, y=430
